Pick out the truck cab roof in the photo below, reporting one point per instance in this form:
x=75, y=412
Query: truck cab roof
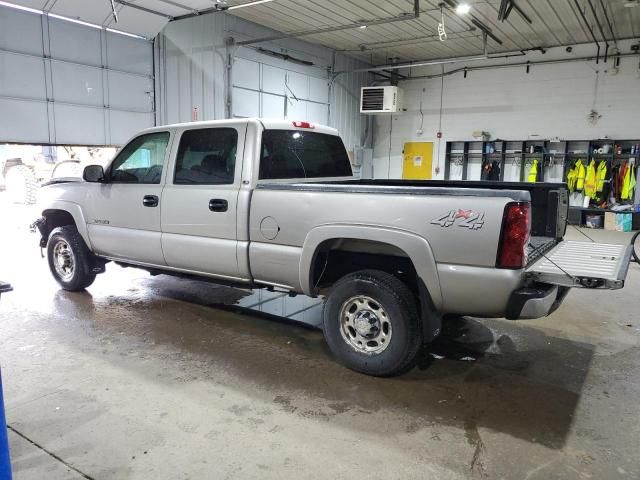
x=266, y=123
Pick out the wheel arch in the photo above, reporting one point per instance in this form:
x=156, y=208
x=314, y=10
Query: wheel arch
x=61, y=213
x=370, y=240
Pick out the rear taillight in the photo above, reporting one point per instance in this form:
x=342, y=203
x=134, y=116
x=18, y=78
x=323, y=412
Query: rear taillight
x=516, y=227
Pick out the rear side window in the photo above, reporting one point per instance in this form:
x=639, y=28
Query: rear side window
x=297, y=154
x=206, y=156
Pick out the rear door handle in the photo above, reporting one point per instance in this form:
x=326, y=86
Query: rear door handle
x=218, y=205
x=150, y=201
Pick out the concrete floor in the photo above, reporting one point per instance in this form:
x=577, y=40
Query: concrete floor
x=157, y=378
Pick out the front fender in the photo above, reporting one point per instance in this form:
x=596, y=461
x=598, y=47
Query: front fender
x=75, y=211
x=416, y=248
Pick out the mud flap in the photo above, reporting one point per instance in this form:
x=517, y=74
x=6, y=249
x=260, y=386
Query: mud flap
x=431, y=320
x=40, y=225
x=583, y=264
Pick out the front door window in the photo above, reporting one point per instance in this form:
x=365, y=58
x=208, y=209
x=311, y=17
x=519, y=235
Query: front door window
x=141, y=160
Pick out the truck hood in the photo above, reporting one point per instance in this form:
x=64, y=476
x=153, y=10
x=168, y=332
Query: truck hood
x=72, y=190
x=57, y=180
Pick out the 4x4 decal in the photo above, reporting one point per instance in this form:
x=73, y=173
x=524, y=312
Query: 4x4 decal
x=463, y=218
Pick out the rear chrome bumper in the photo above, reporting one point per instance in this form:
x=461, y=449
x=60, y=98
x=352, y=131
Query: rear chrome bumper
x=535, y=301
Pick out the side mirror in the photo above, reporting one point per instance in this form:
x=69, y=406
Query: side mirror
x=93, y=173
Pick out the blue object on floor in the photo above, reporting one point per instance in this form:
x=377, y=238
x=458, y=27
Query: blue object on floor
x=5, y=461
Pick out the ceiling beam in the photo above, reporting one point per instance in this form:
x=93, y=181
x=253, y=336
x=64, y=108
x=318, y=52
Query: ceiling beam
x=381, y=21
x=143, y=9
x=453, y=4
x=179, y=5
x=584, y=19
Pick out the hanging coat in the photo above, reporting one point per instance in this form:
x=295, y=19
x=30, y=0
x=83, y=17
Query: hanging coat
x=572, y=176
x=601, y=176
x=622, y=173
x=590, y=183
x=629, y=183
x=486, y=171
x=581, y=172
x=495, y=171
x=615, y=187
x=533, y=173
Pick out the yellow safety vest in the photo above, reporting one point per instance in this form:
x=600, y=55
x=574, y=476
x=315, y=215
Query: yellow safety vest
x=533, y=173
x=590, y=183
x=629, y=183
x=572, y=176
x=601, y=176
x=580, y=174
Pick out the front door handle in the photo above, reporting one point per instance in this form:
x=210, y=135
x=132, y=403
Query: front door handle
x=218, y=205
x=150, y=201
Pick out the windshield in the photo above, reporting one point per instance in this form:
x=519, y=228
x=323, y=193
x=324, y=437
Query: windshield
x=297, y=154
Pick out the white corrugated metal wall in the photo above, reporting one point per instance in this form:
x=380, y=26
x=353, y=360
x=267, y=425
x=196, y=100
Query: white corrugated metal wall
x=191, y=77
x=66, y=83
x=549, y=101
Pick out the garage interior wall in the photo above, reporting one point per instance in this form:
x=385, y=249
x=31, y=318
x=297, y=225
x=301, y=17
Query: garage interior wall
x=550, y=101
x=191, y=77
x=66, y=83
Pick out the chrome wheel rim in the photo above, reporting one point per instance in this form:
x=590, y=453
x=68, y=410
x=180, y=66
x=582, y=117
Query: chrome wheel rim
x=63, y=260
x=365, y=325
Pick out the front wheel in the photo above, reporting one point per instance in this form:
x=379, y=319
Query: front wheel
x=371, y=323
x=70, y=259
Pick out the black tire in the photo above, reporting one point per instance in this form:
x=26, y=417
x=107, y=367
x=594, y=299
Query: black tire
x=395, y=302
x=21, y=184
x=81, y=275
x=635, y=244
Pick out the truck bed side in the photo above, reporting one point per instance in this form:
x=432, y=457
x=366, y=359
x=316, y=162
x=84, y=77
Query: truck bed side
x=460, y=229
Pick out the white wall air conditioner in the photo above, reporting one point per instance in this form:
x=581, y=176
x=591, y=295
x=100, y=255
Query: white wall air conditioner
x=379, y=100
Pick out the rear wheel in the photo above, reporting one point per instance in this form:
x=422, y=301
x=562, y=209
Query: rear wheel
x=371, y=323
x=21, y=184
x=635, y=243
x=70, y=261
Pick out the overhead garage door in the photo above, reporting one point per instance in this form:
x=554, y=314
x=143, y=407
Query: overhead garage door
x=66, y=83
x=262, y=90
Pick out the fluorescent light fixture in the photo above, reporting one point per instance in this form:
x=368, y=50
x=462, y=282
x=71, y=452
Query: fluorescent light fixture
x=73, y=20
x=67, y=19
x=20, y=7
x=126, y=34
x=463, y=8
x=250, y=4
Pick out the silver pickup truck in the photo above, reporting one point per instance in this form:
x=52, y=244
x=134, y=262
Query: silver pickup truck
x=267, y=203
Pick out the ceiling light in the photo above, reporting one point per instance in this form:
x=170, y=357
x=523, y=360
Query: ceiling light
x=20, y=7
x=126, y=34
x=73, y=20
x=250, y=4
x=463, y=8
x=362, y=27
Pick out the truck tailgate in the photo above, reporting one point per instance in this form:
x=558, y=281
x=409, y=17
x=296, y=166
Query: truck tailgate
x=583, y=264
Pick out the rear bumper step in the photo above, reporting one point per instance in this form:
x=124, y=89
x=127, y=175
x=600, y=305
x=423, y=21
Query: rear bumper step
x=535, y=301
